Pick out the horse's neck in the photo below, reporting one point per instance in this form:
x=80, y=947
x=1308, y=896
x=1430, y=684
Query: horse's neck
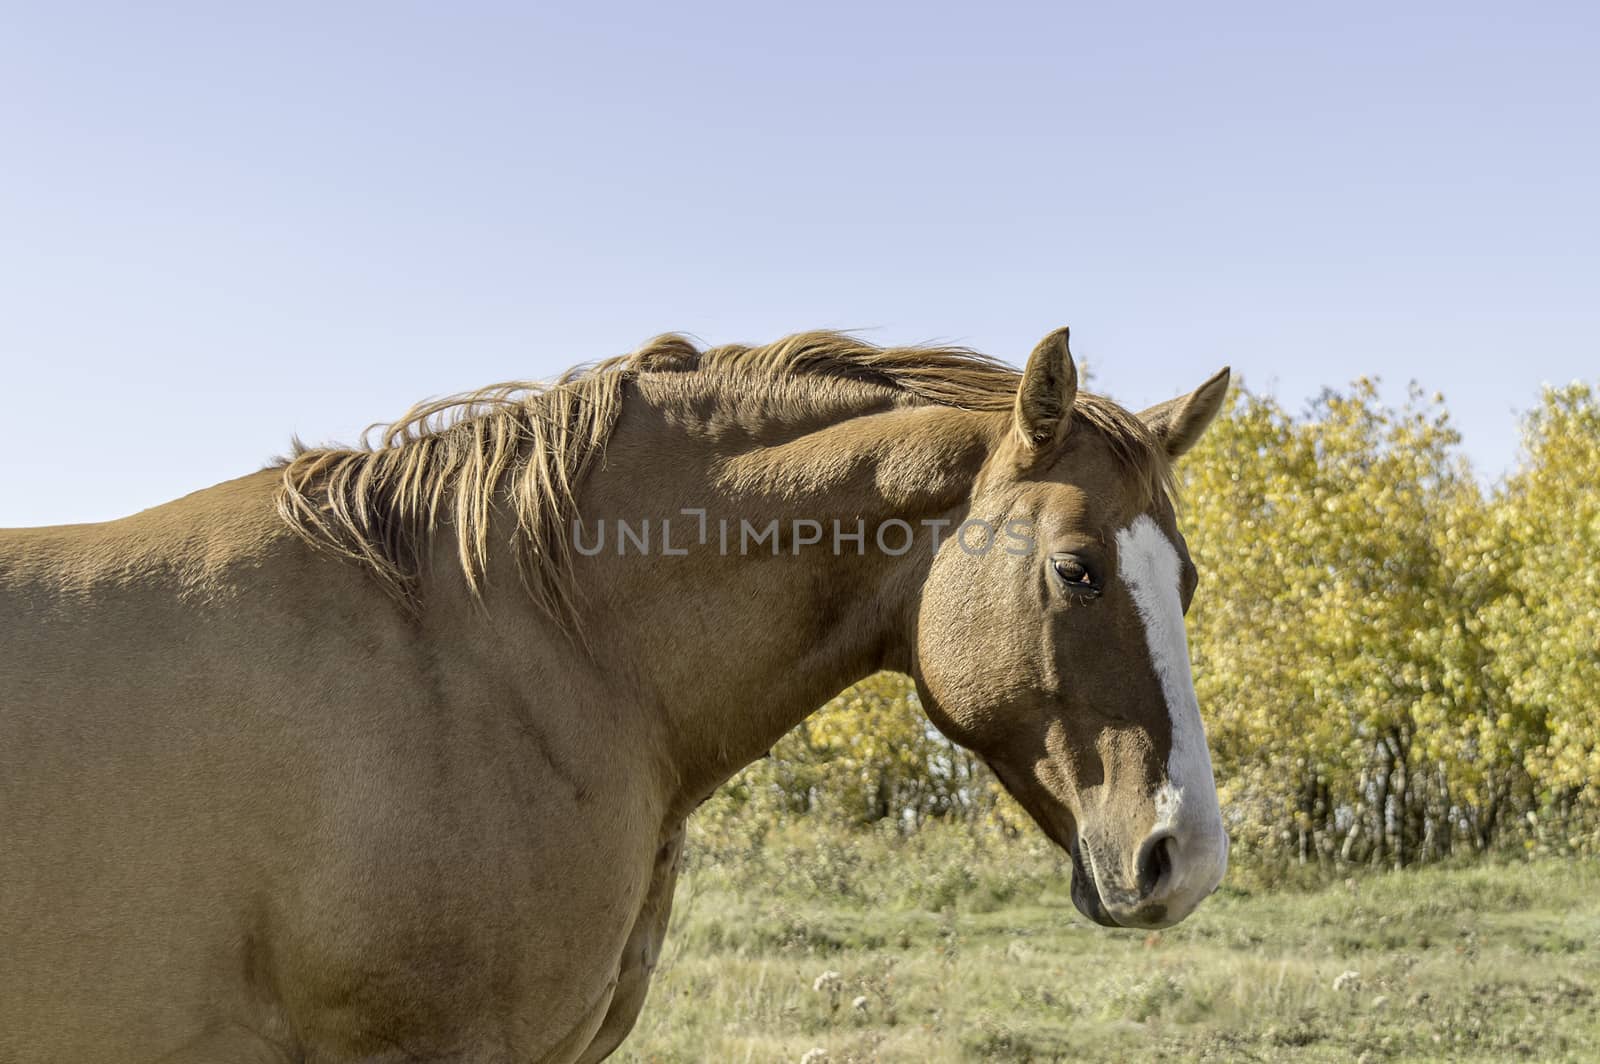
x=733, y=643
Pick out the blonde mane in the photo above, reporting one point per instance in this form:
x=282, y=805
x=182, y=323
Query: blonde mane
x=527, y=446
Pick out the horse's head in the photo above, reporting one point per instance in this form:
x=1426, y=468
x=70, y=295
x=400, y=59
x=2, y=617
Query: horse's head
x=1059, y=654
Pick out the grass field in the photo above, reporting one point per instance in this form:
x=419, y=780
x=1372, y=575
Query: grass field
x=955, y=947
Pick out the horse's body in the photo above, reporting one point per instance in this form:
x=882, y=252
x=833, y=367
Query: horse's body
x=263, y=804
x=260, y=802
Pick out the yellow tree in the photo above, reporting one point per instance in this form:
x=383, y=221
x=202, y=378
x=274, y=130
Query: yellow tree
x=1319, y=656
x=1545, y=629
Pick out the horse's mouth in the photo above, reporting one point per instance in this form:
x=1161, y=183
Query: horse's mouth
x=1085, y=895
x=1063, y=832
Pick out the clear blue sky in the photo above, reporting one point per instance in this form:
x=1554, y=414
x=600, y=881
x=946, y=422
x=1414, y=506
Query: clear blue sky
x=222, y=224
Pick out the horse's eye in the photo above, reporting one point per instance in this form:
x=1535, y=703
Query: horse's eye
x=1075, y=576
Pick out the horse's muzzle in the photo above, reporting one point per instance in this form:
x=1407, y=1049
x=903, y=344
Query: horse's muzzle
x=1167, y=887
x=1085, y=894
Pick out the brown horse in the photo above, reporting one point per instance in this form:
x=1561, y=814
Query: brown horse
x=384, y=754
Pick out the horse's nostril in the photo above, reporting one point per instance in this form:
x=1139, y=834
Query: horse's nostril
x=1155, y=863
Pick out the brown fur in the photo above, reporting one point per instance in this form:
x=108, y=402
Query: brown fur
x=296, y=769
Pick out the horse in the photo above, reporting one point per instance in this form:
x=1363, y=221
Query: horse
x=385, y=752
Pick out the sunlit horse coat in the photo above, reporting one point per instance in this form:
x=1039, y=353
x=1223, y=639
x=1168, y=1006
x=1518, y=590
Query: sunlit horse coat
x=359, y=758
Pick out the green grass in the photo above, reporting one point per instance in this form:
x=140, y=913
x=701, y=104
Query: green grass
x=960, y=947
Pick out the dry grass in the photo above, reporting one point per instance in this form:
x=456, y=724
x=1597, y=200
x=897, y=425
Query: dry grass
x=956, y=947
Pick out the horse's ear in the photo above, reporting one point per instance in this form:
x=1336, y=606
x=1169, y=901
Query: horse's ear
x=1044, y=400
x=1179, y=423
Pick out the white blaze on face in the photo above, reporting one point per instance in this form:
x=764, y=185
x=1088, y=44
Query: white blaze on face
x=1186, y=804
